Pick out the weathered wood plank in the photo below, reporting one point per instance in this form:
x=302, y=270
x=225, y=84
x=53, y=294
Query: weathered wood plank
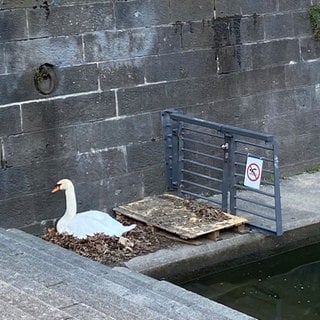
x=175, y=215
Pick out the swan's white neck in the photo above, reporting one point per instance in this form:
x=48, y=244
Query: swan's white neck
x=71, y=203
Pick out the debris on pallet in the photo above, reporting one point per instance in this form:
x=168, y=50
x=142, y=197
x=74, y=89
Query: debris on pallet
x=188, y=219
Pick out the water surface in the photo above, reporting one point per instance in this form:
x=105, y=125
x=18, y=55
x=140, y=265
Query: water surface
x=285, y=286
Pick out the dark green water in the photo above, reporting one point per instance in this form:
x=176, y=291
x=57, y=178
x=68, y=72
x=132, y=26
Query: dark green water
x=285, y=286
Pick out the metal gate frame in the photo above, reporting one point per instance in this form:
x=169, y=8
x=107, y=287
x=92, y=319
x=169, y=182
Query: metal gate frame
x=174, y=126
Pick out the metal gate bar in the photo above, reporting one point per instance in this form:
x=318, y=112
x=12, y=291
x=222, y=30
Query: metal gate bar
x=207, y=160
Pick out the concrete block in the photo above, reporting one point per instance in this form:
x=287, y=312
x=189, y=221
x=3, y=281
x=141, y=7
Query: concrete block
x=201, y=90
x=13, y=179
x=77, y=79
x=181, y=11
x=294, y=5
x=118, y=74
x=301, y=24
x=275, y=52
x=302, y=74
x=2, y=60
x=13, y=25
x=12, y=4
x=263, y=80
x=88, y=137
x=294, y=149
x=142, y=156
x=10, y=122
x=278, y=26
x=17, y=4
x=154, y=180
x=124, y=189
x=252, y=28
x=20, y=87
x=142, y=99
x=226, y=31
x=17, y=87
x=48, y=206
x=287, y=101
x=195, y=35
x=288, y=125
x=310, y=49
x=58, y=51
x=40, y=146
x=156, y=122
x=70, y=111
x=128, y=130
x=17, y=212
x=114, y=133
x=225, y=86
x=69, y=2
x=123, y=44
x=181, y=65
x=258, y=6
x=91, y=166
x=167, y=39
x=226, y=8
x=69, y=20
x=141, y=13
x=234, y=58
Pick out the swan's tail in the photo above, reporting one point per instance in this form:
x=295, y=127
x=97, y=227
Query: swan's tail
x=128, y=228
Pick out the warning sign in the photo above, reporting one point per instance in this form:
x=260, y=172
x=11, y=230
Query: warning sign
x=253, y=173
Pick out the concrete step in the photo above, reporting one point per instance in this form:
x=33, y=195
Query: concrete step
x=206, y=307
x=72, y=281
x=143, y=285
x=140, y=293
x=58, y=252
x=58, y=300
x=211, y=309
x=10, y=312
x=29, y=304
x=86, y=289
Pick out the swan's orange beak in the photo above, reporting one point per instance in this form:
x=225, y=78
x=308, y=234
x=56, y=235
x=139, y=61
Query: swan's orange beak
x=56, y=188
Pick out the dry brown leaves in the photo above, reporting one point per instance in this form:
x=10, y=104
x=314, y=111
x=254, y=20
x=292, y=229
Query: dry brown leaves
x=112, y=250
x=141, y=240
x=204, y=211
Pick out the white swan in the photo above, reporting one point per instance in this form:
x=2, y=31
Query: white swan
x=85, y=223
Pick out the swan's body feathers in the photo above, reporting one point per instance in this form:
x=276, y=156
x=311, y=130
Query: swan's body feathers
x=86, y=223
x=90, y=222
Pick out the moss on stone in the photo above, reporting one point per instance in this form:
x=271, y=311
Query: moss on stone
x=314, y=16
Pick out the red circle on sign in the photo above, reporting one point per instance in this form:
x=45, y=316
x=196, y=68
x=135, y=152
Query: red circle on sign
x=253, y=172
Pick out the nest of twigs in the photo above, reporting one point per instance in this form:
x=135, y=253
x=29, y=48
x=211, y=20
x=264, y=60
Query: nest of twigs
x=141, y=240
x=112, y=250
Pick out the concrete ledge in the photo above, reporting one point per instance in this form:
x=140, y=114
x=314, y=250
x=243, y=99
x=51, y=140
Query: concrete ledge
x=234, y=249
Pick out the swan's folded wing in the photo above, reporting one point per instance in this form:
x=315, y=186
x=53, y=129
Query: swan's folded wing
x=90, y=222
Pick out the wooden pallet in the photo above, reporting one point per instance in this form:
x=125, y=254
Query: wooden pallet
x=168, y=212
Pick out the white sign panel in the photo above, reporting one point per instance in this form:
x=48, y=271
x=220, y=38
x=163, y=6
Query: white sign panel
x=253, y=173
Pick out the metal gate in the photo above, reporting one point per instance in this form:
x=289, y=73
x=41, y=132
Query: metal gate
x=208, y=160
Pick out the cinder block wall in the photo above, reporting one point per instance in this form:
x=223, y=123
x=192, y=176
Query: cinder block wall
x=250, y=63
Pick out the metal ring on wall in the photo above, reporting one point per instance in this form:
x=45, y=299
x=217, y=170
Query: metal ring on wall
x=45, y=79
